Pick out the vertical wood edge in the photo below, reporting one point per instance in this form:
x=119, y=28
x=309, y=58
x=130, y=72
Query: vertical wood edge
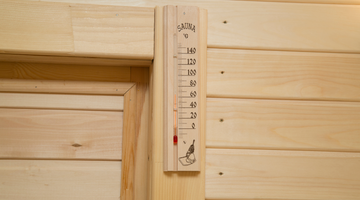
x=128, y=151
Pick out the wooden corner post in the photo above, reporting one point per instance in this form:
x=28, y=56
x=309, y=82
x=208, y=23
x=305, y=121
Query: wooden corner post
x=179, y=185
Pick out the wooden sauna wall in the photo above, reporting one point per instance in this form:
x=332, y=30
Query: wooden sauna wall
x=61, y=129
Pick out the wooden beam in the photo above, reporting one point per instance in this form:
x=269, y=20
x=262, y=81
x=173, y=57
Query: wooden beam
x=277, y=124
x=41, y=179
x=129, y=145
x=283, y=75
x=264, y=174
x=172, y=185
x=64, y=87
x=77, y=30
x=274, y=25
x=141, y=77
x=60, y=101
x=73, y=61
x=46, y=71
x=60, y=134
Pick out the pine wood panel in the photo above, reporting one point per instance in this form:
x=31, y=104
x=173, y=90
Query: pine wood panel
x=64, y=87
x=140, y=75
x=110, y=31
x=169, y=185
x=35, y=27
x=277, y=124
x=77, y=30
x=263, y=174
x=44, y=71
x=272, y=25
x=283, y=75
x=59, y=101
x=73, y=60
x=58, y=180
x=60, y=134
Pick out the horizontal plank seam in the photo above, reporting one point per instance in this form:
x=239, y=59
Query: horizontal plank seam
x=280, y=99
x=280, y=149
x=54, y=108
x=274, y=49
x=289, y=1
x=61, y=159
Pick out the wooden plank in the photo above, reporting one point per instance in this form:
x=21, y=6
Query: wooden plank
x=60, y=134
x=58, y=180
x=60, y=101
x=345, y=2
x=141, y=168
x=264, y=174
x=112, y=31
x=170, y=186
x=283, y=75
x=277, y=124
x=74, y=61
x=284, y=26
x=44, y=71
x=40, y=28
x=272, y=25
x=77, y=30
x=64, y=87
x=129, y=147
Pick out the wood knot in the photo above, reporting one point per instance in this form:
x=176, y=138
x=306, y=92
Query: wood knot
x=76, y=145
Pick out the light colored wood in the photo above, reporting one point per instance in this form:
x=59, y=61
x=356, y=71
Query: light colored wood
x=30, y=27
x=283, y=75
x=112, y=31
x=64, y=87
x=264, y=174
x=74, y=61
x=169, y=185
x=181, y=55
x=60, y=101
x=77, y=30
x=129, y=145
x=272, y=25
x=16, y=70
x=60, y=134
x=277, y=124
x=141, y=77
x=58, y=180
x=345, y=2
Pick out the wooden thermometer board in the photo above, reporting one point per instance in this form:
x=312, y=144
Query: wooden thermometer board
x=181, y=89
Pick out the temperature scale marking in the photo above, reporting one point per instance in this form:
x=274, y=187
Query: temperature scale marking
x=181, y=89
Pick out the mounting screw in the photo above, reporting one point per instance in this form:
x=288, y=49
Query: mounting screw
x=221, y=120
x=220, y=173
x=225, y=22
x=222, y=72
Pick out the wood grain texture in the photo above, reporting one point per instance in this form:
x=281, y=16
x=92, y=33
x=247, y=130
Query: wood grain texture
x=60, y=101
x=60, y=134
x=64, y=87
x=283, y=75
x=277, y=124
x=140, y=75
x=77, y=30
x=272, y=25
x=263, y=174
x=129, y=145
x=18, y=70
x=33, y=27
x=169, y=185
x=18, y=58
x=110, y=31
x=58, y=180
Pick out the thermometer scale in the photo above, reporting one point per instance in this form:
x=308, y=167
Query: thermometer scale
x=181, y=89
